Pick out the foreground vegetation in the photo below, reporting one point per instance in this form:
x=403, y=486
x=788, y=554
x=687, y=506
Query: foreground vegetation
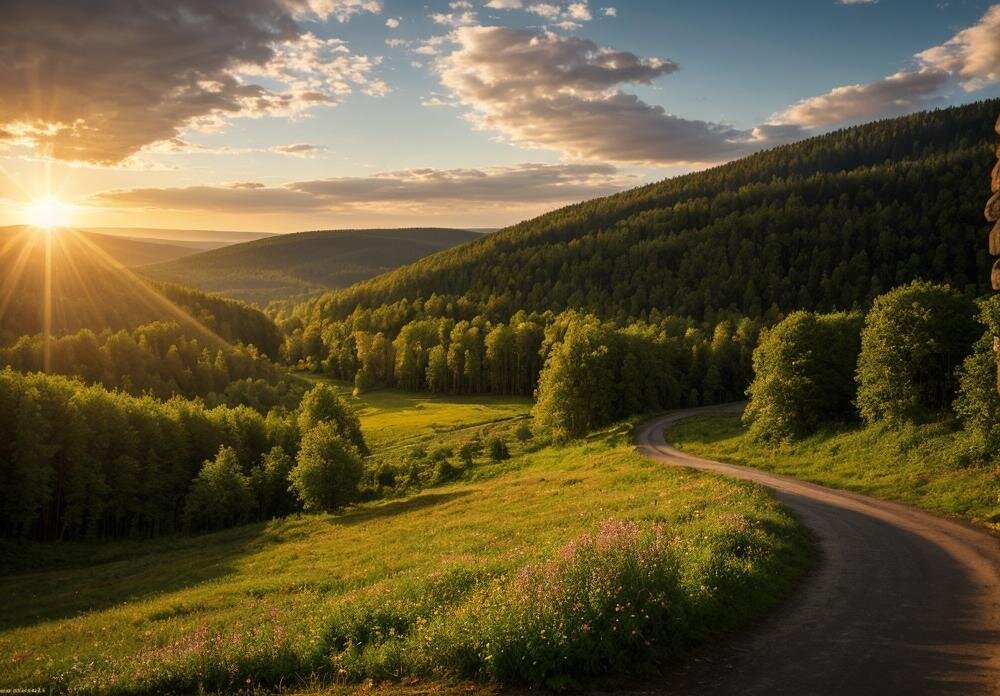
x=929, y=465
x=549, y=567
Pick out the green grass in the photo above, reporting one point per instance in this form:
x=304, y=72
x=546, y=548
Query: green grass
x=923, y=465
x=392, y=418
x=581, y=560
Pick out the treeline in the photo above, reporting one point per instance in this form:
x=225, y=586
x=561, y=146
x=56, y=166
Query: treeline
x=826, y=224
x=596, y=373
x=918, y=353
x=158, y=359
x=385, y=347
x=82, y=461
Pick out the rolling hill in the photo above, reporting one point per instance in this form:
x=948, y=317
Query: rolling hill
x=128, y=251
x=72, y=280
x=826, y=223
x=305, y=263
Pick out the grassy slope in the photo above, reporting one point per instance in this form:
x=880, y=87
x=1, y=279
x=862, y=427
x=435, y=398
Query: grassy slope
x=430, y=585
x=393, y=418
x=918, y=465
x=304, y=263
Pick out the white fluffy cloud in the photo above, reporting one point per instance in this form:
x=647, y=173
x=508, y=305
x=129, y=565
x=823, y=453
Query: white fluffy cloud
x=896, y=94
x=99, y=81
x=971, y=57
x=425, y=189
x=545, y=90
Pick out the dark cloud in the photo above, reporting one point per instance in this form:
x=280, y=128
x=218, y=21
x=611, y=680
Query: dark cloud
x=98, y=80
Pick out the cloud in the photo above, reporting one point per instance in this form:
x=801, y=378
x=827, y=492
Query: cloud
x=392, y=22
x=505, y=4
x=609, y=11
x=420, y=189
x=540, y=89
x=299, y=149
x=896, y=94
x=343, y=10
x=99, y=81
x=972, y=55
x=857, y=2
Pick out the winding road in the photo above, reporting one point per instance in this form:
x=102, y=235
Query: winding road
x=901, y=602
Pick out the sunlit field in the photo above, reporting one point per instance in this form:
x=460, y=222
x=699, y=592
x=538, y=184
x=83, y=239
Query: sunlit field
x=393, y=418
x=565, y=563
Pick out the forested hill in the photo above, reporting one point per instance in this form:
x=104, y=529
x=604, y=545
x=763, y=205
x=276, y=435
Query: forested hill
x=826, y=223
x=291, y=265
x=89, y=289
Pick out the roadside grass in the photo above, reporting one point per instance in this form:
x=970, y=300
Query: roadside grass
x=926, y=465
x=563, y=564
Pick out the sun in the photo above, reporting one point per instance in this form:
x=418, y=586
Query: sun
x=47, y=212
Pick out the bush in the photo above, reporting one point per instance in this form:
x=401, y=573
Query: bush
x=523, y=432
x=915, y=337
x=439, y=454
x=803, y=375
x=323, y=405
x=220, y=495
x=978, y=403
x=498, y=450
x=444, y=472
x=327, y=471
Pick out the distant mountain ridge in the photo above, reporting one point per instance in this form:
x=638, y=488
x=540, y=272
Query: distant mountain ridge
x=304, y=263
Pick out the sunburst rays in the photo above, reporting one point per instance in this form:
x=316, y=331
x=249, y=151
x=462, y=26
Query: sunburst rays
x=67, y=276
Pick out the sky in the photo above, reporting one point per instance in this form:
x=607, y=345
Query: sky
x=288, y=115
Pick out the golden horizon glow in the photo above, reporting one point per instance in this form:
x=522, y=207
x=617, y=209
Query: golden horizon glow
x=47, y=212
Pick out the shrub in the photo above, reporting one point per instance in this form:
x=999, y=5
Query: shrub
x=444, y=472
x=978, y=403
x=386, y=476
x=523, y=432
x=498, y=450
x=323, y=405
x=440, y=454
x=803, y=374
x=220, y=495
x=915, y=336
x=468, y=451
x=327, y=471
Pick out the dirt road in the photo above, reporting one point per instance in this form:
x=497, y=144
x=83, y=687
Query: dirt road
x=902, y=601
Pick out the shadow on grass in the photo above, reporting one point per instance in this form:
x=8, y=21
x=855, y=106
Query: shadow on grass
x=398, y=507
x=118, y=572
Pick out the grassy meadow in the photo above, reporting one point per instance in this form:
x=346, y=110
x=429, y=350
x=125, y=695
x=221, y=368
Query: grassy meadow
x=924, y=465
x=559, y=563
x=394, y=418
